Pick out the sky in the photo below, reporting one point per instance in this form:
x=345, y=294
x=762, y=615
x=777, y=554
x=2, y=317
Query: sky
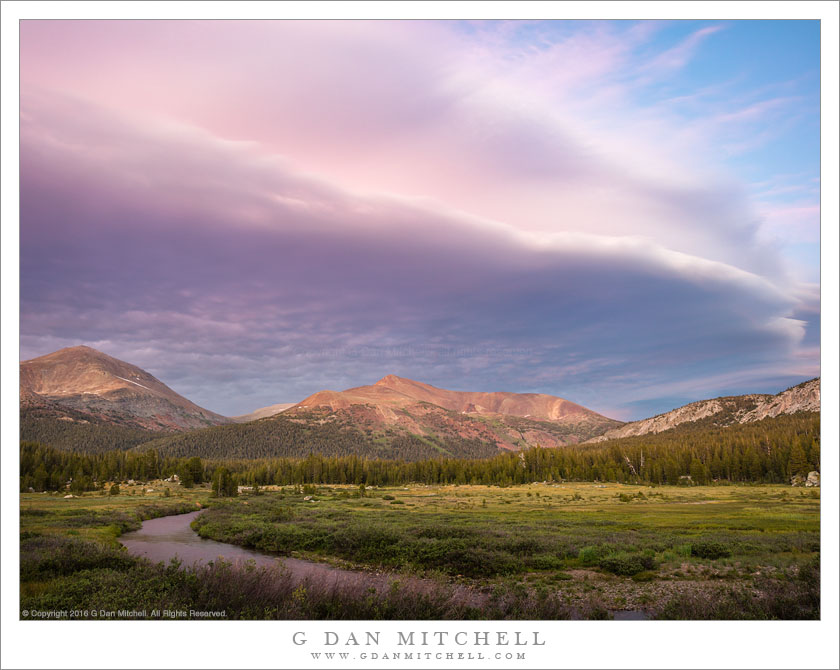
x=624, y=214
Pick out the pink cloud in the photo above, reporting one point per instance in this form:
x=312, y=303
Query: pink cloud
x=414, y=110
x=292, y=189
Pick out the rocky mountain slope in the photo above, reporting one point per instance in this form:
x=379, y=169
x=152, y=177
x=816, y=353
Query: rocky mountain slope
x=263, y=412
x=405, y=406
x=399, y=392
x=80, y=384
x=726, y=411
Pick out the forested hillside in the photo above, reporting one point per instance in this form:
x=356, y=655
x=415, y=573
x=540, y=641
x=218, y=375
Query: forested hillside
x=72, y=430
x=279, y=436
x=769, y=451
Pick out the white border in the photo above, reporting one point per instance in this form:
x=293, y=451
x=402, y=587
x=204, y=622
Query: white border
x=570, y=644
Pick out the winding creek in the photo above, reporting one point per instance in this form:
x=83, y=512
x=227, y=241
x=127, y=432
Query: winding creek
x=171, y=537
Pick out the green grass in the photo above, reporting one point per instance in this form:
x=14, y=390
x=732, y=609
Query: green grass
x=547, y=551
x=71, y=562
x=102, y=517
x=481, y=532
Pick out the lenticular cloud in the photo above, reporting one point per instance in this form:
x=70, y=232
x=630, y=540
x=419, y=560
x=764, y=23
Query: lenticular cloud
x=239, y=273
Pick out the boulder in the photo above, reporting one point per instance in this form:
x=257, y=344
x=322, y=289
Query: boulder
x=797, y=480
x=813, y=479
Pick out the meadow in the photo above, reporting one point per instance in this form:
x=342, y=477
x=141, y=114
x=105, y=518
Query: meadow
x=532, y=551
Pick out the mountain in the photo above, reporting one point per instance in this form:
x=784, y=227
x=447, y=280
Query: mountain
x=397, y=418
x=84, y=386
x=263, y=412
x=726, y=411
x=399, y=392
x=507, y=420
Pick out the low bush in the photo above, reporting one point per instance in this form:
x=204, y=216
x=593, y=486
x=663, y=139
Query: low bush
x=33, y=511
x=590, y=556
x=627, y=564
x=644, y=576
x=47, y=556
x=249, y=592
x=444, y=532
x=710, y=550
x=546, y=562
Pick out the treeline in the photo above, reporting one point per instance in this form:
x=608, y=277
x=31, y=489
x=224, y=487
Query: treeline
x=768, y=451
x=43, y=468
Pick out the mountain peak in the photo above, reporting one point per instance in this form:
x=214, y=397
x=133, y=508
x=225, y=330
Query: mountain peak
x=70, y=351
x=392, y=390
x=80, y=352
x=405, y=406
x=388, y=380
x=85, y=379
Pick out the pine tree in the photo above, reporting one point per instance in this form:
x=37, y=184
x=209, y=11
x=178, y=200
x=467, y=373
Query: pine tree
x=798, y=463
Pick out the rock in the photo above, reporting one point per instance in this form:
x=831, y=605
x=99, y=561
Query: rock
x=813, y=479
x=70, y=496
x=728, y=410
x=797, y=480
x=307, y=498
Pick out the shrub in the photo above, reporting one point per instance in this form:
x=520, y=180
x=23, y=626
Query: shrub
x=644, y=576
x=591, y=555
x=281, y=514
x=476, y=562
x=627, y=564
x=359, y=541
x=439, y=531
x=49, y=556
x=710, y=550
x=524, y=545
x=562, y=577
x=33, y=511
x=546, y=562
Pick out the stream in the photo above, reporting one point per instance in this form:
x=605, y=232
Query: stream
x=171, y=537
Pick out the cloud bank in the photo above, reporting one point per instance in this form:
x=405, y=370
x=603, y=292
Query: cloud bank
x=254, y=212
